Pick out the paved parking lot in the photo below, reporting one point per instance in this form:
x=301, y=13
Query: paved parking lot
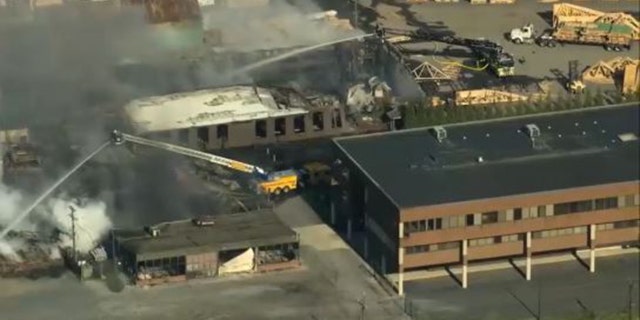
x=492, y=22
x=567, y=290
x=332, y=285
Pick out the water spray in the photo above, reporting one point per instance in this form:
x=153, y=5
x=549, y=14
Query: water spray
x=47, y=192
x=295, y=53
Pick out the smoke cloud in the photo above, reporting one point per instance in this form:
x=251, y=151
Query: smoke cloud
x=279, y=25
x=67, y=74
x=92, y=223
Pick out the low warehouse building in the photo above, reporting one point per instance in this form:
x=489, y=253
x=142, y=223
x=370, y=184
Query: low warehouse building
x=494, y=189
x=207, y=247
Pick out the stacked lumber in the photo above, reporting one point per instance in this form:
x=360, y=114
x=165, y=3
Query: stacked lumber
x=486, y=96
x=606, y=72
x=502, y=1
x=573, y=14
x=631, y=78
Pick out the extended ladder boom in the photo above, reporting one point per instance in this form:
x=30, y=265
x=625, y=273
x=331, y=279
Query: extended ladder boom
x=119, y=138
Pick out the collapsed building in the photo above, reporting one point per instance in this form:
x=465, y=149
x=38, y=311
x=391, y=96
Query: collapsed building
x=36, y=257
x=207, y=246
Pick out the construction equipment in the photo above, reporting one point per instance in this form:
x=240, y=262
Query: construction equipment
x=317, y=173
x=272, y=183
x=499, y=62
x=574, y=82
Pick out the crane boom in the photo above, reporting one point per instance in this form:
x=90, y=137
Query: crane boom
x=499, y=60
x=119, y=138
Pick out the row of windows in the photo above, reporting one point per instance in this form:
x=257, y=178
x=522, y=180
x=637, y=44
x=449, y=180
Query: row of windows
x=260, y=128
x=619, y=225
x=495, y=240
x=432, y=247
x=459, y=221
x=520, y=237
x=558, y=232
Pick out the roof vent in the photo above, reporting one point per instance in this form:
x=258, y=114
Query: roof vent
x=152, y=231
x=440, y=133
x=626, y=137
x=204, y=221
x=532, y=130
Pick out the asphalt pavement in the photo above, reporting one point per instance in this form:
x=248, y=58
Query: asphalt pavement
x=567, y=290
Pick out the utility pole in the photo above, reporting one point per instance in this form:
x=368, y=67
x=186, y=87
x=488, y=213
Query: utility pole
x=73, y=233
x=356, y=21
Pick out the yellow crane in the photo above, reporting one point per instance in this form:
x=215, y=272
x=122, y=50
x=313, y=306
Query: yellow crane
x=272, y=183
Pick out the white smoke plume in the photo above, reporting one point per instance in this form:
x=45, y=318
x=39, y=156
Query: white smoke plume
x=92, y=223
x=277, y=25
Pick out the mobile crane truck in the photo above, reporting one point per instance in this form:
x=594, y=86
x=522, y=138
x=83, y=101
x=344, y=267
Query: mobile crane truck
x=271, y=183
x=500, y=62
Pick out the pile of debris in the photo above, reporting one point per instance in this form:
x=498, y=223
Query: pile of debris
x=33, y=257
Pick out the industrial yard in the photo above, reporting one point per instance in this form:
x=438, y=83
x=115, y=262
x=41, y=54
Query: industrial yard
x=281, y=159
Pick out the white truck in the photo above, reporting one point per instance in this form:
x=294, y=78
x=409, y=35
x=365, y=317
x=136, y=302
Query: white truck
x=527, y=35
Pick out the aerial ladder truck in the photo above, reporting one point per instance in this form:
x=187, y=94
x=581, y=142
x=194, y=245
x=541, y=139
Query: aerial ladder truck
x=500, y=62
x=271, y=183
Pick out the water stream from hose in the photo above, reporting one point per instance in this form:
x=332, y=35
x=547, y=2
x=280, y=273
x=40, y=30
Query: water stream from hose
x=47, y=192
x=295, y=53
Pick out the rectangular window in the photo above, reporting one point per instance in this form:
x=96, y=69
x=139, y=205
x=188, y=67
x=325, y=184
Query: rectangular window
x=336, y=121
x=453, y=222
x=629, y=200
x=572, y=207
x=203, y=135
x=449, y=245
x=422, y=225
x=606, y=203
x=261, y=128
x=222, y=131
x=542, y=211
x=299, y=124
x=626, y=224
x=517, y=214
x=434, y=224
x=280, y=126
x=317, y=119
x=416, y=249
x=490, y=217
x=536, y=234
x=469, y=220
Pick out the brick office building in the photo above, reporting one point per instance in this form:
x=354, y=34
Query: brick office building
x=494, y=190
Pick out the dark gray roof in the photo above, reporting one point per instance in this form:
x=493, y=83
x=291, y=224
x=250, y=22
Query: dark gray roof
x=579, y=148
x=230, y=231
